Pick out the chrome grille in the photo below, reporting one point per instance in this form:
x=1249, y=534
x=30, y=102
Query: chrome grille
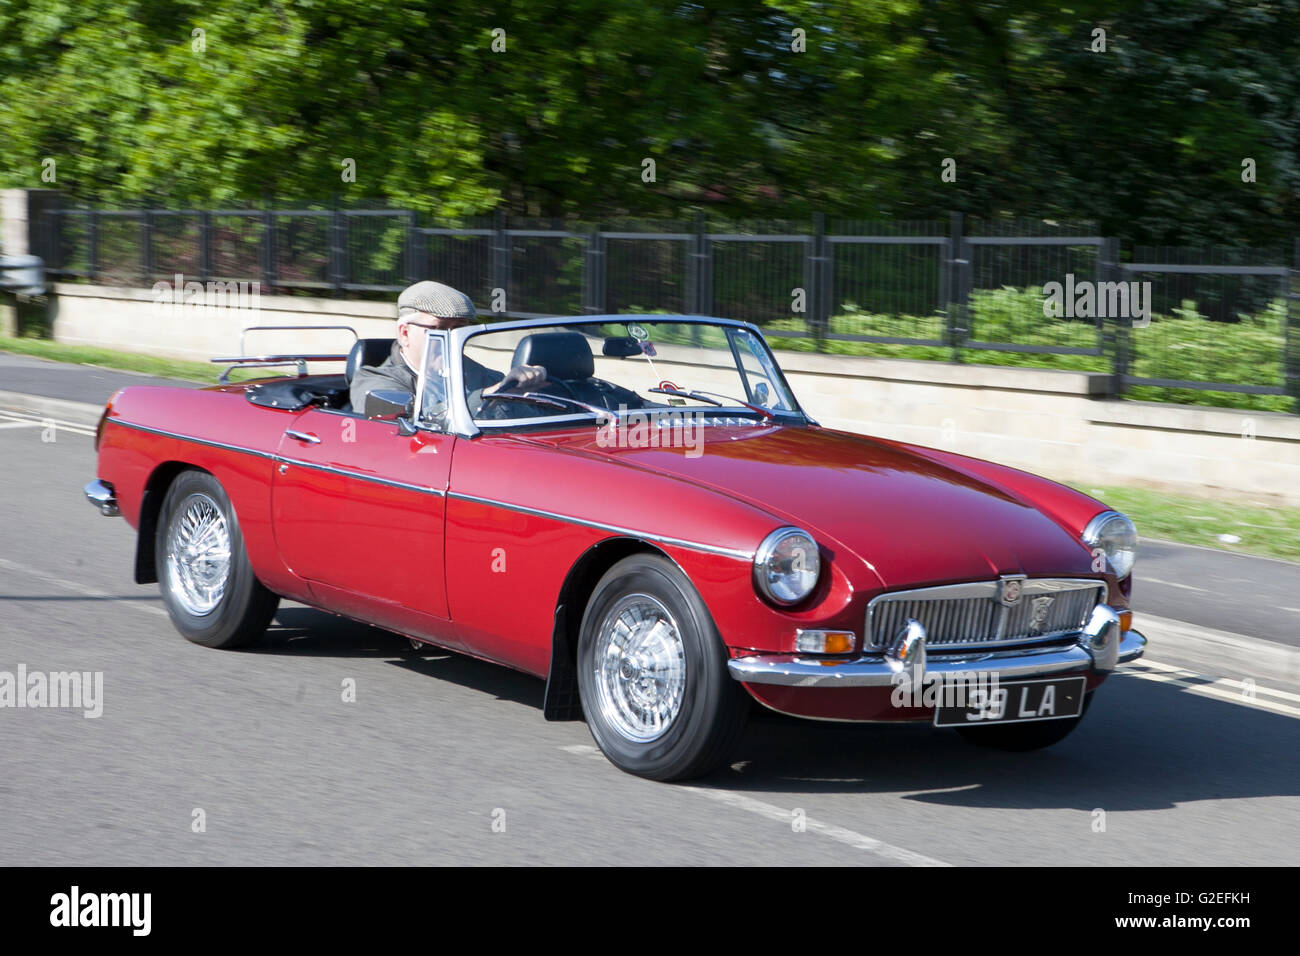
x=971, y=616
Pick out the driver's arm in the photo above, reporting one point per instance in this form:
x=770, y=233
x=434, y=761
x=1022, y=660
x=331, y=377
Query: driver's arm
x=521, y=377
x=480, y=381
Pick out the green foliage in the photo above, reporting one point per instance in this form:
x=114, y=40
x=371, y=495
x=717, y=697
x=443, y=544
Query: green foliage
x=1147, y=138
x=186, y=103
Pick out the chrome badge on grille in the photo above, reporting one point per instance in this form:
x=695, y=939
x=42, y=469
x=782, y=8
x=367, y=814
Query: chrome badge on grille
x=1038, y=610
x=1009, y=588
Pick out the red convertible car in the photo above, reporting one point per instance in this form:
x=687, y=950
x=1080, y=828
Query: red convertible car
x=658, y=530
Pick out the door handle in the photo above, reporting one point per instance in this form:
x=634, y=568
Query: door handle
x=308, y=437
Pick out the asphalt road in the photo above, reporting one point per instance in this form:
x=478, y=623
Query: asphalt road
x=1229, y=592
x=446, y=760
x=70, y=382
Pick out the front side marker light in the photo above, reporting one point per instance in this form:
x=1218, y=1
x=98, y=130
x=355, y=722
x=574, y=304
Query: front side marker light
x=824, y=642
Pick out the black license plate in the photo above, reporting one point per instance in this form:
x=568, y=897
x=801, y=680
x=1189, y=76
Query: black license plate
x=1013, y=702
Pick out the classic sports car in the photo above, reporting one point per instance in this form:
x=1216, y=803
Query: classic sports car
x=658, y=530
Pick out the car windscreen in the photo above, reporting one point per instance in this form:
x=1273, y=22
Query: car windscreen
x=572, y=372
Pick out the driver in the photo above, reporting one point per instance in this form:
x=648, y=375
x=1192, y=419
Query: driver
x=432, y=305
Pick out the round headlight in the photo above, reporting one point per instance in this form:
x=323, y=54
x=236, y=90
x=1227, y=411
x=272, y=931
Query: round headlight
x=786, y=566
x=1117, y=538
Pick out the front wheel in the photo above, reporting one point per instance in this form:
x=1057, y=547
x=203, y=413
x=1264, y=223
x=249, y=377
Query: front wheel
x=652, y=674
x=211, y=593
x=1021, y=738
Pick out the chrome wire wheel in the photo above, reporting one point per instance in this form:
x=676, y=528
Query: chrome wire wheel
x=640, y=668
x=198, y=554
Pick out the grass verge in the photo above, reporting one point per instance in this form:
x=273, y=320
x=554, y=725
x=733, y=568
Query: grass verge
x=1273, y=532
x=125, y=361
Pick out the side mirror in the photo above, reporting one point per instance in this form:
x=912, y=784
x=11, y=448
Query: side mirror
x=386, y=402
x=620, y=346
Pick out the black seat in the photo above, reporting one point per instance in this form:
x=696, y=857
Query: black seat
x=571, y=369
x=367, y=352
x=566, y=356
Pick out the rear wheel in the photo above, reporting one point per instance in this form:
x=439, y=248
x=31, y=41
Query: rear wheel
x=211, y=593
x=652, y=674
x=1021, y=738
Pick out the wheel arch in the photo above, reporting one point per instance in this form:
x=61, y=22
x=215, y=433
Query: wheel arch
x=561, y=701
x=155, y=490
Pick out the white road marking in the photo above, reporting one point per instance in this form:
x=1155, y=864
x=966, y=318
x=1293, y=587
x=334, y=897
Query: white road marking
x=78, y=588
x=1170, y=584
x=1222, y=688
x=1214, y=653
x=1185, y=674
x=19, y=419
x=738, y=801
x=1295, y=609
x=20, y=425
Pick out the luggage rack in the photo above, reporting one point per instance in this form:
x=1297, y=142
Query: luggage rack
x=243, y=360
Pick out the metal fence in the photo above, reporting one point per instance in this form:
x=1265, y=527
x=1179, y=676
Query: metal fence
x=1221, y=320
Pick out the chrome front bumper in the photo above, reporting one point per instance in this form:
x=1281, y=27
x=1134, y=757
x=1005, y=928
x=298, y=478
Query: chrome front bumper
x=101, y=495
x=1100, y=646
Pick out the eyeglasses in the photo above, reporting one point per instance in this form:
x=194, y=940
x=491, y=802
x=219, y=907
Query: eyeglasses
x=454, y=323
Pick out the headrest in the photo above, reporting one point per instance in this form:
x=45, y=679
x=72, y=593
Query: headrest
x=367, y=352
x=564, y=355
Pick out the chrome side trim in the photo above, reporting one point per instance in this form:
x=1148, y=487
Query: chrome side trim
x=601, y=526
x=101, y=495
x=281, y=459
x=207, y=442
x=360, y=476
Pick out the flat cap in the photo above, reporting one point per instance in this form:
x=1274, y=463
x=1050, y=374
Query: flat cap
x=435, y=299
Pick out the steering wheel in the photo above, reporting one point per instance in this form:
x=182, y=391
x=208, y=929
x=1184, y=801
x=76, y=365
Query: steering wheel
x=568, y=389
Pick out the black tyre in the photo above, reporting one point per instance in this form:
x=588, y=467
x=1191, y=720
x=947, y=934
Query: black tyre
x=209, y=588
x=1021, y=738
x=652, y=674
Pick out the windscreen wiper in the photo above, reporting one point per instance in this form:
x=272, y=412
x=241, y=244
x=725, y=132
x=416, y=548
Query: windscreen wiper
x=711, y=398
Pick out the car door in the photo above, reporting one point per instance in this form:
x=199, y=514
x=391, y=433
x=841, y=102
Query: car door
x=359, y=510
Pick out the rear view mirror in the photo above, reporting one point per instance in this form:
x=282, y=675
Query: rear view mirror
x=385, y=402
x=620, y=346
